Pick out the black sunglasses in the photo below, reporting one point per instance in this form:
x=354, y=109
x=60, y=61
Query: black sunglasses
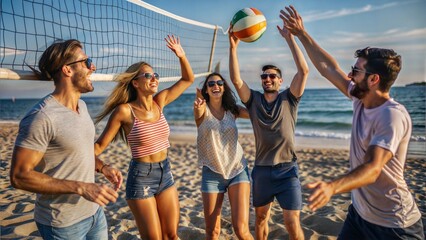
x=270, y=75
x=355, y=69
x=212, y=83
x=87, y=62
x=148, y=75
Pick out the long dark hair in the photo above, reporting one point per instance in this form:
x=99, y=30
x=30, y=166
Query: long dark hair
x=229, y=101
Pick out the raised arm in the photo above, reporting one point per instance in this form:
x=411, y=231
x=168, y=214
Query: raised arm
x=170, y=94
x=323, y=62
x=297, y=86
x=199, y=108
x=234, y=69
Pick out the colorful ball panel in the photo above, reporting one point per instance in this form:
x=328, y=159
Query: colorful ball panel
x=248, y=24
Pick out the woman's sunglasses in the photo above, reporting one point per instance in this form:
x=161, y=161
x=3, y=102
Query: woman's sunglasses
x=212, y=83
x=148, y=76
x=87, y=62
x=270, y=75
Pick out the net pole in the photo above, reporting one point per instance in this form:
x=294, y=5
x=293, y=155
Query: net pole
x=212, y=50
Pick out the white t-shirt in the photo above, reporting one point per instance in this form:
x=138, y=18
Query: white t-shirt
x=218, y=146
x=388, y=201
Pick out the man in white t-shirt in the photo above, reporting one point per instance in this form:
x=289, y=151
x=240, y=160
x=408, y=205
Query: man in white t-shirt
x=382, y=205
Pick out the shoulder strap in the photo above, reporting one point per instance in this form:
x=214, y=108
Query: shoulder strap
x=131, y=109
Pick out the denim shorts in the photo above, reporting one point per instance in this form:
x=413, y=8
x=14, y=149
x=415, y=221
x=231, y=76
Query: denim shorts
x=146, y=180
x=280, y=181
x=356, y=227
x=213, y=182
x=91, y=228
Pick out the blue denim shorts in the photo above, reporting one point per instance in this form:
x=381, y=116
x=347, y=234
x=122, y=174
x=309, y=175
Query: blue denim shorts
x=280, y=181
x=213, y=182
x=356, y=227
x=91, y=228
x=146, y=180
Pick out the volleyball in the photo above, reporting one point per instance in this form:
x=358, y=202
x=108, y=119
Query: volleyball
x=248, y=24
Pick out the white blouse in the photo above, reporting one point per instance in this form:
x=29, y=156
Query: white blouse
x=218, y=146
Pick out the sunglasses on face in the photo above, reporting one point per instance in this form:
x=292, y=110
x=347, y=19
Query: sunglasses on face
x=87, y=62
x=270, y=75
x=355, y=70
x=148, y=75
x=212, y=83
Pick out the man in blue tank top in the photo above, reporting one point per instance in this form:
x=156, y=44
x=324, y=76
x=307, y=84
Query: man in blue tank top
x=273, y=116
x=54, y=152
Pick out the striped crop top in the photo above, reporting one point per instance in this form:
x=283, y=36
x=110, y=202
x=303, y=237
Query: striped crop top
x=147, y=138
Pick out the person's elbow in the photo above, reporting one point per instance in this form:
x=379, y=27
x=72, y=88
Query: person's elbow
x=17, y=178
x=374, y=174
x=303, y=70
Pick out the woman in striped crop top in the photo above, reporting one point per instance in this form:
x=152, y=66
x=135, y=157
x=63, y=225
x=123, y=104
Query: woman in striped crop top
x=137, y=118
x=221, y=157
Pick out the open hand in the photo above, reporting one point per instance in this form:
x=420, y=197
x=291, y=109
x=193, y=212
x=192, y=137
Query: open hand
x=233, y=40
x=174, y=44
x=292, y=20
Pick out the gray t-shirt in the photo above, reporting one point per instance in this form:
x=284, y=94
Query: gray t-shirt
x=273, y=125
x=386, y=202
x=66, y=139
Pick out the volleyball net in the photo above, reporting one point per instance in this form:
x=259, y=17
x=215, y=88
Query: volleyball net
x=115, y=34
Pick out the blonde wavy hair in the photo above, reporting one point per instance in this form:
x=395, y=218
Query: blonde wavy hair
x=123, y=92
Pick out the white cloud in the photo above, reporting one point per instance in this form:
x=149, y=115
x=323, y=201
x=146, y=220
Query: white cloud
x=393, y=36
x=315, y=16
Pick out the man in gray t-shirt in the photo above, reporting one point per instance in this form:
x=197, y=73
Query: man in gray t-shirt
x=382, y=205
x=54, y=151
x=273, y=116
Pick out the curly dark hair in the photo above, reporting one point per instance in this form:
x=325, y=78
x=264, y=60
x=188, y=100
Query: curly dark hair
x=229, y=100
x=384, y=62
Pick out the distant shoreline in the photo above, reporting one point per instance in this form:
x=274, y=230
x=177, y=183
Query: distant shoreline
x=416, y=84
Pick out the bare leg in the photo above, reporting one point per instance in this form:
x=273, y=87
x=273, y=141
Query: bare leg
x=239, y=198
x=262, y=216
x=146, y=217
x=212, y=203
x=292, y=224
x=169, y=212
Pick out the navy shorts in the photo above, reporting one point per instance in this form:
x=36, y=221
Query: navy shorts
x=146, y=180
x=213, y=182
x=280, y=181
x=357, y=228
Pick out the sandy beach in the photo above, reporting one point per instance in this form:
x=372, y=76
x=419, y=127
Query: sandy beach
x=318, y=159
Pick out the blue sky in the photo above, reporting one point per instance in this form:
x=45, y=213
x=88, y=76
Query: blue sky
x=340, y=27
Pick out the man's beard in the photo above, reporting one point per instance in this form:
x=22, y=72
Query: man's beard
x=361, y=89
x=82, y=84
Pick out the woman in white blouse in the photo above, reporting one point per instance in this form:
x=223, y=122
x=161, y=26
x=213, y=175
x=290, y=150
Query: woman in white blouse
x=221, y=157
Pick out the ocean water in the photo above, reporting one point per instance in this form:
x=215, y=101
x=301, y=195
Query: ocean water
x=323, y=113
